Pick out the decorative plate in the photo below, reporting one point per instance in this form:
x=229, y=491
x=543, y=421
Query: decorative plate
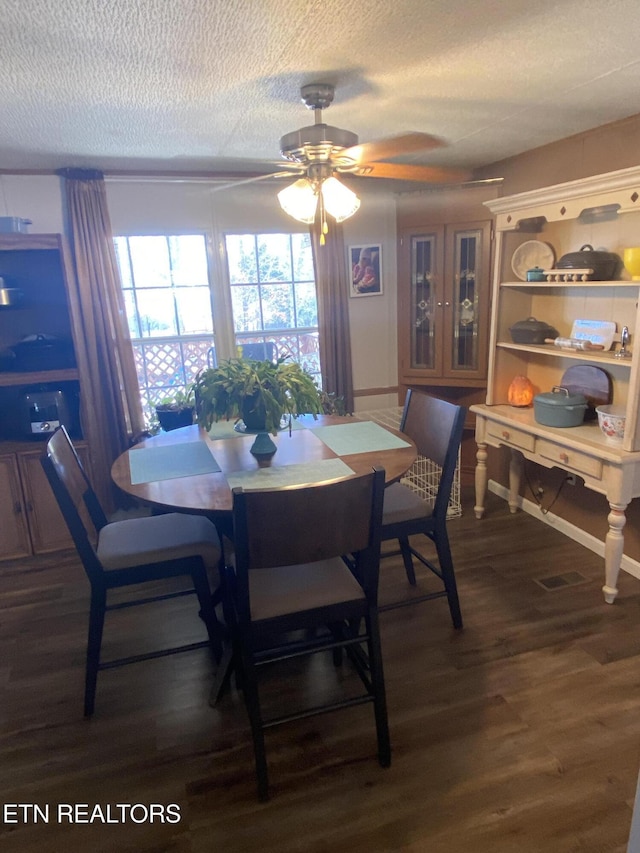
x=533, y=253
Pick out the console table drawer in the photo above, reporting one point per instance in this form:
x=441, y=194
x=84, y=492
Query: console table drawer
x=515, y=437
x=569, y=458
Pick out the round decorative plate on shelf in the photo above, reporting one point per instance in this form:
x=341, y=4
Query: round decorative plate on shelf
x=533, y=253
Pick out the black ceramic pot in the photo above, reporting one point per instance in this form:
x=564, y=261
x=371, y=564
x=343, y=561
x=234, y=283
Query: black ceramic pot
x=605, y=265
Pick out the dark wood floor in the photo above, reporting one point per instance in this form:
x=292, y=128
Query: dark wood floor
x=520, y=733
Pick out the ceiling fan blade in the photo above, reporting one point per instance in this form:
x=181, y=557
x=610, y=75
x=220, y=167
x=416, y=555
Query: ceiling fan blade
x=255, y=178
x=407, y=172
x=393, y=146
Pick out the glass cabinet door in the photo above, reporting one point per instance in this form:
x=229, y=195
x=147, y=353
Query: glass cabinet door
x=423, y=301
x=467, y=266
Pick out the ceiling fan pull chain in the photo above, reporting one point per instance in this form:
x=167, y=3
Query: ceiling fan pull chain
x=324, y=228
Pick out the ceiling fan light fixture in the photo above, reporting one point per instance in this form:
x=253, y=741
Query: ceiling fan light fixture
x=339, y=201
x=300, y=200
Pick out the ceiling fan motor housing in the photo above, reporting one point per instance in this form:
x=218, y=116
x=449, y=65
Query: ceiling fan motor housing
x=316, y=143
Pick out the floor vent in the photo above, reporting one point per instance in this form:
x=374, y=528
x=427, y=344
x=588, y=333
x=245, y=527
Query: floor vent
x=560, y=581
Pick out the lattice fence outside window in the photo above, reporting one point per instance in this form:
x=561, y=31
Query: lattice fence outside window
x=424, y=475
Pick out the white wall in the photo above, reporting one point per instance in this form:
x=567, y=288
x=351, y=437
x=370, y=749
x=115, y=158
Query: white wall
x=149, y=206
x=34, y=197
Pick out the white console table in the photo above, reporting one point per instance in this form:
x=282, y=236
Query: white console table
x=580, y=450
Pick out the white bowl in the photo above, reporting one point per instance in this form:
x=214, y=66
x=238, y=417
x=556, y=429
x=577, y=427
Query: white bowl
x=611, y=421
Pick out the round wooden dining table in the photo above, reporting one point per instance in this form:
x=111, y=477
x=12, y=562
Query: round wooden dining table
x=210, y=493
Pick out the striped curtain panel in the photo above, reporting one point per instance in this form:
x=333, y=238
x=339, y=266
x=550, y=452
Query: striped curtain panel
x=332, y=284
x=101, y=328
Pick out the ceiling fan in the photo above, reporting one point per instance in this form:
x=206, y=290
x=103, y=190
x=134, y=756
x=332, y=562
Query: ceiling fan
x=319, y=152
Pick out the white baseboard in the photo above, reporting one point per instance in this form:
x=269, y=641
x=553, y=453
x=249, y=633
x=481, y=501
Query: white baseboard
x=571, y=530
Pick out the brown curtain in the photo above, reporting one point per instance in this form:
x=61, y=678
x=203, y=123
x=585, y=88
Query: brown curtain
x=112, y=406
x=330, y=264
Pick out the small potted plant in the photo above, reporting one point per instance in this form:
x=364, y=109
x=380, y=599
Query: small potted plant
x=260, y=393
x=176, y=410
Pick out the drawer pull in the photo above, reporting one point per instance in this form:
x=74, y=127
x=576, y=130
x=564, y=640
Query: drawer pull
x=506, y=434
x=564, y=458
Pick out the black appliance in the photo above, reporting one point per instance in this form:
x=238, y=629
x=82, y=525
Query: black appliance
x=44, y=411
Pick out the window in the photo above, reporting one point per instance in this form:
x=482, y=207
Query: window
x=168, y=303
x=167, y=294
x=273, y=294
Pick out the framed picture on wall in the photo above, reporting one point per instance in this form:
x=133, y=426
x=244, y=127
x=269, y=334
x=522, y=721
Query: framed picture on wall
x=364, y=270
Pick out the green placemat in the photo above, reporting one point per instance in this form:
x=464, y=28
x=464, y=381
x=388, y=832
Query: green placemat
x=358, y=437
x=301, y=474
x=168, y=462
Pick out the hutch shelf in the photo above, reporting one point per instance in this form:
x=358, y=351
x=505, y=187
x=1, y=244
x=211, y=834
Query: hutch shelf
x=39, y=265
x=604, y=211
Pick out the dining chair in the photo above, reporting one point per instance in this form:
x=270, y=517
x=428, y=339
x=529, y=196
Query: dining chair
x=290, y=576
x=436, y=428
x=130, y=551
x=262, y=351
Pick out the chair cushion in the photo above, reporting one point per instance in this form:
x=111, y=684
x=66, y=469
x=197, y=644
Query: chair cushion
x=401, y=504
x=292, y=589
x=141, y=541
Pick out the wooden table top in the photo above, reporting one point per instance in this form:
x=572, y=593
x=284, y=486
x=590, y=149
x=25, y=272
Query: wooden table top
x=210, y=493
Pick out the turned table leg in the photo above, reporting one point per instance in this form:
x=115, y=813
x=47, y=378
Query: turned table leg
x=515, y=478
x=481, y=479
x=613, y=548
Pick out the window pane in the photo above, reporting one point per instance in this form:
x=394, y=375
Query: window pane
x=306, y=304
x=277, y=306
x=245, y=302
x=157, y=313
x=132, y=313
x=302, y=257
x=274, y=257
x=194, y=310
x=122, y=256
x=150, y=261
x=241, y=257
x=188, y=260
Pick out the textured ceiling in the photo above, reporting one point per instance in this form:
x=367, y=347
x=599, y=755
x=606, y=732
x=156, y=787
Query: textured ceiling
x=213, y=84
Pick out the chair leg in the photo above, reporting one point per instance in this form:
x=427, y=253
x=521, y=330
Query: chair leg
x=441, y=541
x=407, y=559
x=252, y=701
x=379, y=695
x=336, y=629
x=94, y=642
x=207, y=611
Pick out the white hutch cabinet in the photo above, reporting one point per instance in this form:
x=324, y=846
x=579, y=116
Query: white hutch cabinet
x=603, y=211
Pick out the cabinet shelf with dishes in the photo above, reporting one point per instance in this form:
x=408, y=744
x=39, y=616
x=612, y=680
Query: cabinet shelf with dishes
x=602, y=211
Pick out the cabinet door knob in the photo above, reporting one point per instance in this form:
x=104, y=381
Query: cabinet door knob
x=505, y=433
x=439, y=304
x=447, y=304
x=564, y=458
x=17, y=508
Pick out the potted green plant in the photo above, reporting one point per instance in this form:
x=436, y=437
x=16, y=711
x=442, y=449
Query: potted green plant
x=176, y=410
x=260, y=393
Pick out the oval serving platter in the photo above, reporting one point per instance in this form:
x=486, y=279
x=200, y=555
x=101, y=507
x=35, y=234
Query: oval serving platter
x=533, y=253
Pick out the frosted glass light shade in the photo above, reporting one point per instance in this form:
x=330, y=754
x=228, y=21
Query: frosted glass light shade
x=299, y=200
x=339, y=201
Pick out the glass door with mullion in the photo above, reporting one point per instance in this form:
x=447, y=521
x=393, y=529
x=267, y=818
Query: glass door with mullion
x=466, y=302
x=426, y=303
